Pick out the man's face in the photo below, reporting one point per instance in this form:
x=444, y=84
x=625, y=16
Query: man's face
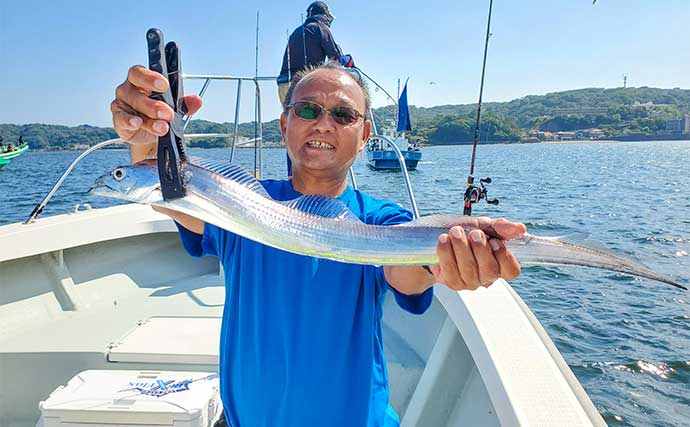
x=323, y=147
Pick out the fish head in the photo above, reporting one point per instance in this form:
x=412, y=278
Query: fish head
x=137, y=183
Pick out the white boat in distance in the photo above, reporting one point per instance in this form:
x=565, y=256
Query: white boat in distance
x=113, y=290
x=380, y=155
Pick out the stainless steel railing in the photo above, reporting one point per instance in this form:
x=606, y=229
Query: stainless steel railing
x=405, y=174
x=258, y=141
x=39, y=207
x=401, y=161
x=258, y=147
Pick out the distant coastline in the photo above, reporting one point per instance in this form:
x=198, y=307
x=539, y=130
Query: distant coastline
x=650, y=138
x=274, y=146
x=581, y=141
x=583, y=115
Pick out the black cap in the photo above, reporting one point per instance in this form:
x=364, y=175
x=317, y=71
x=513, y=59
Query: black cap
x=319, y=8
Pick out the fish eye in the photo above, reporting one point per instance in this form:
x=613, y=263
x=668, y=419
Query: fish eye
x=118, y=174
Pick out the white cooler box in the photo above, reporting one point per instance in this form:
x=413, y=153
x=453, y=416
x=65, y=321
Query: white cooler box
x=134, y=399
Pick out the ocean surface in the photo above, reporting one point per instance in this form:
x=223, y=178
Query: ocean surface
x=627, y=340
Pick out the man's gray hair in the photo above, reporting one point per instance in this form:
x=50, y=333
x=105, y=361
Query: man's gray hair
x=332, y=65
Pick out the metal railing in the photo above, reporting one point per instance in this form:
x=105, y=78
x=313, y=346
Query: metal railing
x=39, y=207
x=258, y=147
x=401, y=161
x=258, y=141
x=405, y=174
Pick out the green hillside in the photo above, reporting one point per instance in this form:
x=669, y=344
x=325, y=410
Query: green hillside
x=619, y=113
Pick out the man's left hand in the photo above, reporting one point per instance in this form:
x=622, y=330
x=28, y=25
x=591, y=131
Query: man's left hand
x=474, y=260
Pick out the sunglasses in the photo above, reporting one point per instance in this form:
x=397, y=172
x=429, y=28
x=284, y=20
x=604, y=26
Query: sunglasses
x=311, y=111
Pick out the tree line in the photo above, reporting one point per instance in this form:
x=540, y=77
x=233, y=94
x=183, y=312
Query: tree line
x=618, y=112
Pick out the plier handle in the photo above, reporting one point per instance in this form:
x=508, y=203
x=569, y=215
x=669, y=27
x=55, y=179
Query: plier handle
x=171, y=147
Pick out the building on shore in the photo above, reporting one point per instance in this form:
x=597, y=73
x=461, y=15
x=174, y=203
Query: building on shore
x=590, y=134
x=679, y=126
x=582, y=134
x=541, y=135
x=566, y=136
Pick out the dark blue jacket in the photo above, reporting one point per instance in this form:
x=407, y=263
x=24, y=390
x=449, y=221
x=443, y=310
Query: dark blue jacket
x=318, y=44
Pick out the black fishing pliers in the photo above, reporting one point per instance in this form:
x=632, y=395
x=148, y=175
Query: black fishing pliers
x=171, y=147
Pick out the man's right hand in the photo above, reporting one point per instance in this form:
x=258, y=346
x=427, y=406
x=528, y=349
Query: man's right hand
x=139, y=119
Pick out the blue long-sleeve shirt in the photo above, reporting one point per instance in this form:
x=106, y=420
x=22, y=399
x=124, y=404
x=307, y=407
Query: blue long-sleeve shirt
x=301, y=341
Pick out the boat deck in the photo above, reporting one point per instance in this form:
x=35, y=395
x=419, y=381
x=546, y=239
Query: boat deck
x=84, y=338
x=65, y=306
x=78, y=291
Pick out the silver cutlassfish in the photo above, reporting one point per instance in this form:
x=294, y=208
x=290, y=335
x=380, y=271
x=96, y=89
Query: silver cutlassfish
x=227, y=196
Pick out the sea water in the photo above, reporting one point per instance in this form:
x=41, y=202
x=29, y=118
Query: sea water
x=626, y=339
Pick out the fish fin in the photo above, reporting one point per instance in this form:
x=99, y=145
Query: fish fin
x=440, y=221
x=574, y=237
x=624, y=263
x=234, y=172
x=582, y=239
x=313, y=204
x=322, y=206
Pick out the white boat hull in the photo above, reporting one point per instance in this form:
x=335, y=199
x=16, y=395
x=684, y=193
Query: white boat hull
x=111, y=288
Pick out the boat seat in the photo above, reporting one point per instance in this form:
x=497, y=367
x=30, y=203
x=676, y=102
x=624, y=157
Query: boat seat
x=179, y=340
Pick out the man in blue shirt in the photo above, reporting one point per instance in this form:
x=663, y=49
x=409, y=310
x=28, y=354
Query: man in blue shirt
x=301, y=337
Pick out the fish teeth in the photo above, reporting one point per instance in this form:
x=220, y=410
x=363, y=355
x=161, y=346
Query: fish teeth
x=320, y=144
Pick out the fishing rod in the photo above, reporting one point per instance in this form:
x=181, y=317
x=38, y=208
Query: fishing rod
x=473, y=194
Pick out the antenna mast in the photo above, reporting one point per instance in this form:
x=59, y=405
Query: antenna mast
x=256, y=60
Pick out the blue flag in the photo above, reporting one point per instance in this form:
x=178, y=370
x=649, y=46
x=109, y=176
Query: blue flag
x=404, y=123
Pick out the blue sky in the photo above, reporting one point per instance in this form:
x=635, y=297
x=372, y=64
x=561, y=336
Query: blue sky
x=60, y=61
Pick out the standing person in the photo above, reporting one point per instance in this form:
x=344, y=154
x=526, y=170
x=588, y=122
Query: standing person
x=309, y=45
x=301, y=342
